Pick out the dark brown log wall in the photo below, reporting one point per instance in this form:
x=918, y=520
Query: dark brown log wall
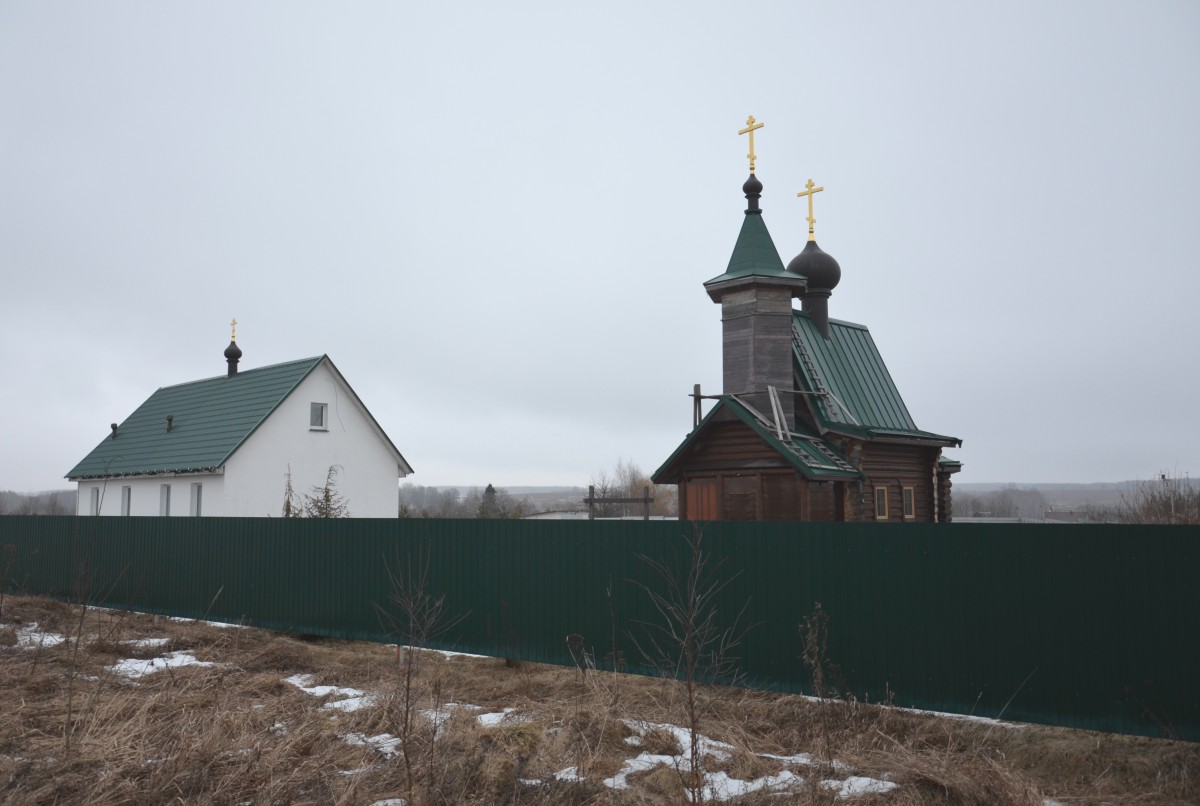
x=945, y=499
x=896, y=467
x=783, y=496
x=730, y=446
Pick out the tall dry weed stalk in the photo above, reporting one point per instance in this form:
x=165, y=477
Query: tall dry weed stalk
x=10, y=559
x=416, y=616
x=815, y=633
x=690, y=641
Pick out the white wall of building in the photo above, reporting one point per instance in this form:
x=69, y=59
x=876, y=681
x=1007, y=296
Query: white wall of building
x=145, y=495
x=252, y=484
x=368, y=479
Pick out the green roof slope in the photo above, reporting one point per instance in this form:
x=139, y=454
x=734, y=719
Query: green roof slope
x=212, y=418
x=860, y=396
x=754, y=254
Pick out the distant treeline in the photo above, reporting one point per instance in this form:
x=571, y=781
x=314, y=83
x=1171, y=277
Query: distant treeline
x=1010, y=502
x=417, y=501
x=1167, y=499
x=55, y=502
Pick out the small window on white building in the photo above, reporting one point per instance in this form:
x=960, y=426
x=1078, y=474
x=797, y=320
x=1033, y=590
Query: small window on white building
x=126, y=499
x=317, y=417
x=164, y=500
x=197, y=499
x=95, y=507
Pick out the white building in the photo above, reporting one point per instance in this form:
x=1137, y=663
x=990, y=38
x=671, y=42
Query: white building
x=224, y=447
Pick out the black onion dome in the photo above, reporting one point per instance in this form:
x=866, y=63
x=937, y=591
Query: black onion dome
x=821, y=269
x=752, y=186
x=233, y=352
x=753, y=191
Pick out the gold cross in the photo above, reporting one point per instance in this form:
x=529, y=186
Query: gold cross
x=233, y=325
x=750, y=127
x=809, y=193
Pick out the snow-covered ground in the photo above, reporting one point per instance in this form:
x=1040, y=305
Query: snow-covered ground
x=718, y=786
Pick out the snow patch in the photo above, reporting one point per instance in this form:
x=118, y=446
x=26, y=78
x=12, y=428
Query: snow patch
x=384, y=743
x=348, y=699
x=133, y=668
x=508, y=715
x=31, y=637
x=857, y=785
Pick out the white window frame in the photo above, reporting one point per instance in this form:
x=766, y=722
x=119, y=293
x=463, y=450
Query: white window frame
x=881, y=497
x=197, y=500
x=164, y=500
x=318, y=417
x=126, y=500
x=908, y=503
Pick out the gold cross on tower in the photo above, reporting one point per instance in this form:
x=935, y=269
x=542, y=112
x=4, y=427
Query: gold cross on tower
x=233, y=327
x=750, y=127
x=809, y=193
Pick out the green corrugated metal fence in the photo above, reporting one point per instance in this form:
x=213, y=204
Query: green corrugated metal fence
x=1084, y=626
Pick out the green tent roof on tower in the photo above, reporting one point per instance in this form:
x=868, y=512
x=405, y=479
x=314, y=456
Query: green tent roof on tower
x=754, y=254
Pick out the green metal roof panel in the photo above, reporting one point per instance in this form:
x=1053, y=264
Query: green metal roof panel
x=859, y=393
x=850, y=369
x=211, y=418
x=754, y=254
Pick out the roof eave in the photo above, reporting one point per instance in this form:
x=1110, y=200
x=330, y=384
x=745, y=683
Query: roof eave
x=718, y=286
x=150, y=474
x=922, y=438
x=402, y=465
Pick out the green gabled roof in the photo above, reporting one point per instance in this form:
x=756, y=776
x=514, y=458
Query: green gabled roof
x=805, y=451
x=754, y=254
x=211, y=418
x=857, y=394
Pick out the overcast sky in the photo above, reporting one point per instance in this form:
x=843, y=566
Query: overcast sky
x=496, y=218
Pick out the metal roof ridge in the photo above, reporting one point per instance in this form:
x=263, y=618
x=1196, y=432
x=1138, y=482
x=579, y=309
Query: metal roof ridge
x=832, y=320
x=315, y=358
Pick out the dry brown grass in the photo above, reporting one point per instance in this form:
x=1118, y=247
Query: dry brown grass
x=236, y=732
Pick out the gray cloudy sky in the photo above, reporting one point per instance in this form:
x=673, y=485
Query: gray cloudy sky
x=496, y=217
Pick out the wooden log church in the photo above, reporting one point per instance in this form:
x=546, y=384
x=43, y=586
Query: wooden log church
x=809, y=425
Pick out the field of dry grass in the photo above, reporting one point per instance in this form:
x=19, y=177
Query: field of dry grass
x=103, y=707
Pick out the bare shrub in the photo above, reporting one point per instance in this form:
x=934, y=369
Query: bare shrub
x=691, y=641
x=416, y=616
x=1168, y=499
